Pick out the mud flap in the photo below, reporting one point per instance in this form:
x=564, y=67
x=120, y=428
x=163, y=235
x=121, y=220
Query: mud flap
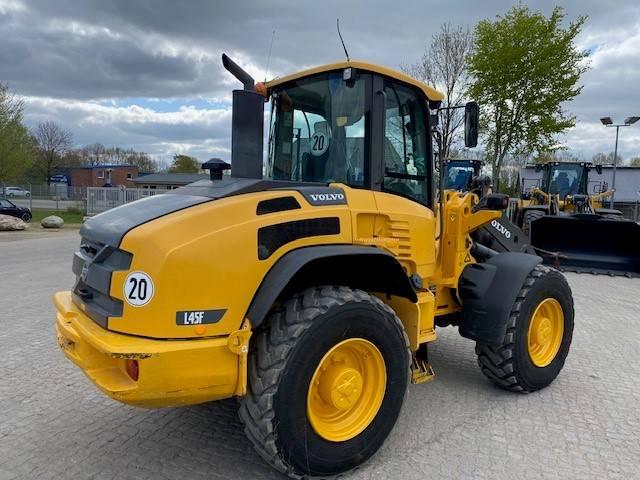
x=488, y=291
x=588, y=243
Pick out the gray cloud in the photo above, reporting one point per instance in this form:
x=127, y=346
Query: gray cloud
x=88, y=50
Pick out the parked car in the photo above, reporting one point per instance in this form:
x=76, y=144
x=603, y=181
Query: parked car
x=9, y=208
x=59, y=179
x=16, y=192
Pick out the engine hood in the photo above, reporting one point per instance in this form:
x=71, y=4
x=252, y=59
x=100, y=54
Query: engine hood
x=110, y=227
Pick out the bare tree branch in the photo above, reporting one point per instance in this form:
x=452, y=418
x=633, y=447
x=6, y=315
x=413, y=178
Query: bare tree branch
x=444, y=66
x=54, y=142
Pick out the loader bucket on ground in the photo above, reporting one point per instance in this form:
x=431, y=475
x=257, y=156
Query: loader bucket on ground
x=588, y=243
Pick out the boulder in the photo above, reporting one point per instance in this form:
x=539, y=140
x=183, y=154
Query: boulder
x=52, y=221
x=9, y=223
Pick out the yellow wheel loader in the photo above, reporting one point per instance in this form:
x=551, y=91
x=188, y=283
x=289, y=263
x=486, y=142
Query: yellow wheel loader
x=569, y=227
x=501, y=234
x=310, y=289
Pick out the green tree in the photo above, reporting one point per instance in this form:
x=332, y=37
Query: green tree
x=606, y=159
x=16, y=144
x=524, y=67
x=184, y=164
x=635, y=162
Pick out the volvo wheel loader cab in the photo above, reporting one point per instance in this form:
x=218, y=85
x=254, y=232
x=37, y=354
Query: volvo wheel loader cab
x=565, y=220
x=312, y=291
x=460, y=174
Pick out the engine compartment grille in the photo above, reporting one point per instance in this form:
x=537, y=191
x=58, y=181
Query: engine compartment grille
x=93, y=265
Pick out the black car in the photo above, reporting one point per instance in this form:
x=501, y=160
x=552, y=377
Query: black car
x=10, y=208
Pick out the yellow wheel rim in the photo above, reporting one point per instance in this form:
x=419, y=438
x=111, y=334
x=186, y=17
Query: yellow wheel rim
x=545, y=332
x=346, y=390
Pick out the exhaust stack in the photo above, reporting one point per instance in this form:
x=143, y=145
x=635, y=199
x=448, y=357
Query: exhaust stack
x=247, y=125
x=236, y=70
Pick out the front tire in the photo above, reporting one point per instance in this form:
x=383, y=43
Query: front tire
x=538, y=335
x=26, y=217
x=327, y=379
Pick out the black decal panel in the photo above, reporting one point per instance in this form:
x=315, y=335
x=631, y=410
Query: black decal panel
x=272, y=237
x=199, y=317
x=279, y=204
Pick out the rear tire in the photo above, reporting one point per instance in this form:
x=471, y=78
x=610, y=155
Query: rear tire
x=511, y=364
x=528, y=217
x=286, y=355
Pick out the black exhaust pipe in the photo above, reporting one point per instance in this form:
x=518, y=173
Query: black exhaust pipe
x=236, y=70
x=247, y=125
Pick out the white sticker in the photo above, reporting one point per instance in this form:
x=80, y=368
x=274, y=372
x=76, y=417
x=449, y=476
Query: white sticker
x=138, y=289
x=319, y=143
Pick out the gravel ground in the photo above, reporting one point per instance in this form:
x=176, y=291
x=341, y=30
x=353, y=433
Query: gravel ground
x=55, y=424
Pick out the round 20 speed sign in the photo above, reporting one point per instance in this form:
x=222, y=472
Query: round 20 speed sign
x=138, y=289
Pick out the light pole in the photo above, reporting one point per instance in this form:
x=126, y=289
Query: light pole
x=607, y=122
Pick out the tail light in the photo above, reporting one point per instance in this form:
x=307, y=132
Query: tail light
x=132, y=368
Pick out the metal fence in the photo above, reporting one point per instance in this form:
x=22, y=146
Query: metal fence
x=56, y=197
x=630, y=210
x=100, y=199
x=61, y=197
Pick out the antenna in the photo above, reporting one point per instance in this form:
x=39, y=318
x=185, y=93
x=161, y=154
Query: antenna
x=340, y=35
x=266, y=72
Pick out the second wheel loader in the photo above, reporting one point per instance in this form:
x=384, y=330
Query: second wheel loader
x=569, y=226
x=310, y=289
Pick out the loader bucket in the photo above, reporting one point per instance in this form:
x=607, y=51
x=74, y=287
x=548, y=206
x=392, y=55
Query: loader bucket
x=588, y=243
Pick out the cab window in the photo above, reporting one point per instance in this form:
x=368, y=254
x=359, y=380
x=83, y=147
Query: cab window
x=318, y=130
x=405, y=147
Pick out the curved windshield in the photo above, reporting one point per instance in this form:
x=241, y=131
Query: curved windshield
x=566, y=180
x=458, y=177
x=318, y=130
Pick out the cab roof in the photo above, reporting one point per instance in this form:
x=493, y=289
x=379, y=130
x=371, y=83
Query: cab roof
x=431, y=93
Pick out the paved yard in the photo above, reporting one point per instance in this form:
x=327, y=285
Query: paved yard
x=55, y=424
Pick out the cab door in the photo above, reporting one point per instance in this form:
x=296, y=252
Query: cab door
x=405, y=196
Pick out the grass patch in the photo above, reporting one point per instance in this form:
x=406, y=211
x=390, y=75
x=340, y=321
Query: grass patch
x=70, y=216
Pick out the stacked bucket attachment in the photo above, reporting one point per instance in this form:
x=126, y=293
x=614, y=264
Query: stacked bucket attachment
x=588, y=243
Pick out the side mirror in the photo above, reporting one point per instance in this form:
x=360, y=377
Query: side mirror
x=599, y=169
x=471, y=124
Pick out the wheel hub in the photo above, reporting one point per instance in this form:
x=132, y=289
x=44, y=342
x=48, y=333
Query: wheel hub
x=340, y=386
x=545, y=332
x=346, y=390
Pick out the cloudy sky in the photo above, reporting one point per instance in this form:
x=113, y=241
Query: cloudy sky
x=147, y=74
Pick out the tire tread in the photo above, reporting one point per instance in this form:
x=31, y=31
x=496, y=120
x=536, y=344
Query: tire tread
x=286, y=324
x=498, y=362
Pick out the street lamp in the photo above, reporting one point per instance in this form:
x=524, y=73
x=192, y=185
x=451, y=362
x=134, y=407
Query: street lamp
x=607, y=122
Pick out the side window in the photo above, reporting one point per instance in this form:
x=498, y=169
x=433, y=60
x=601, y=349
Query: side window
x=405, y=146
